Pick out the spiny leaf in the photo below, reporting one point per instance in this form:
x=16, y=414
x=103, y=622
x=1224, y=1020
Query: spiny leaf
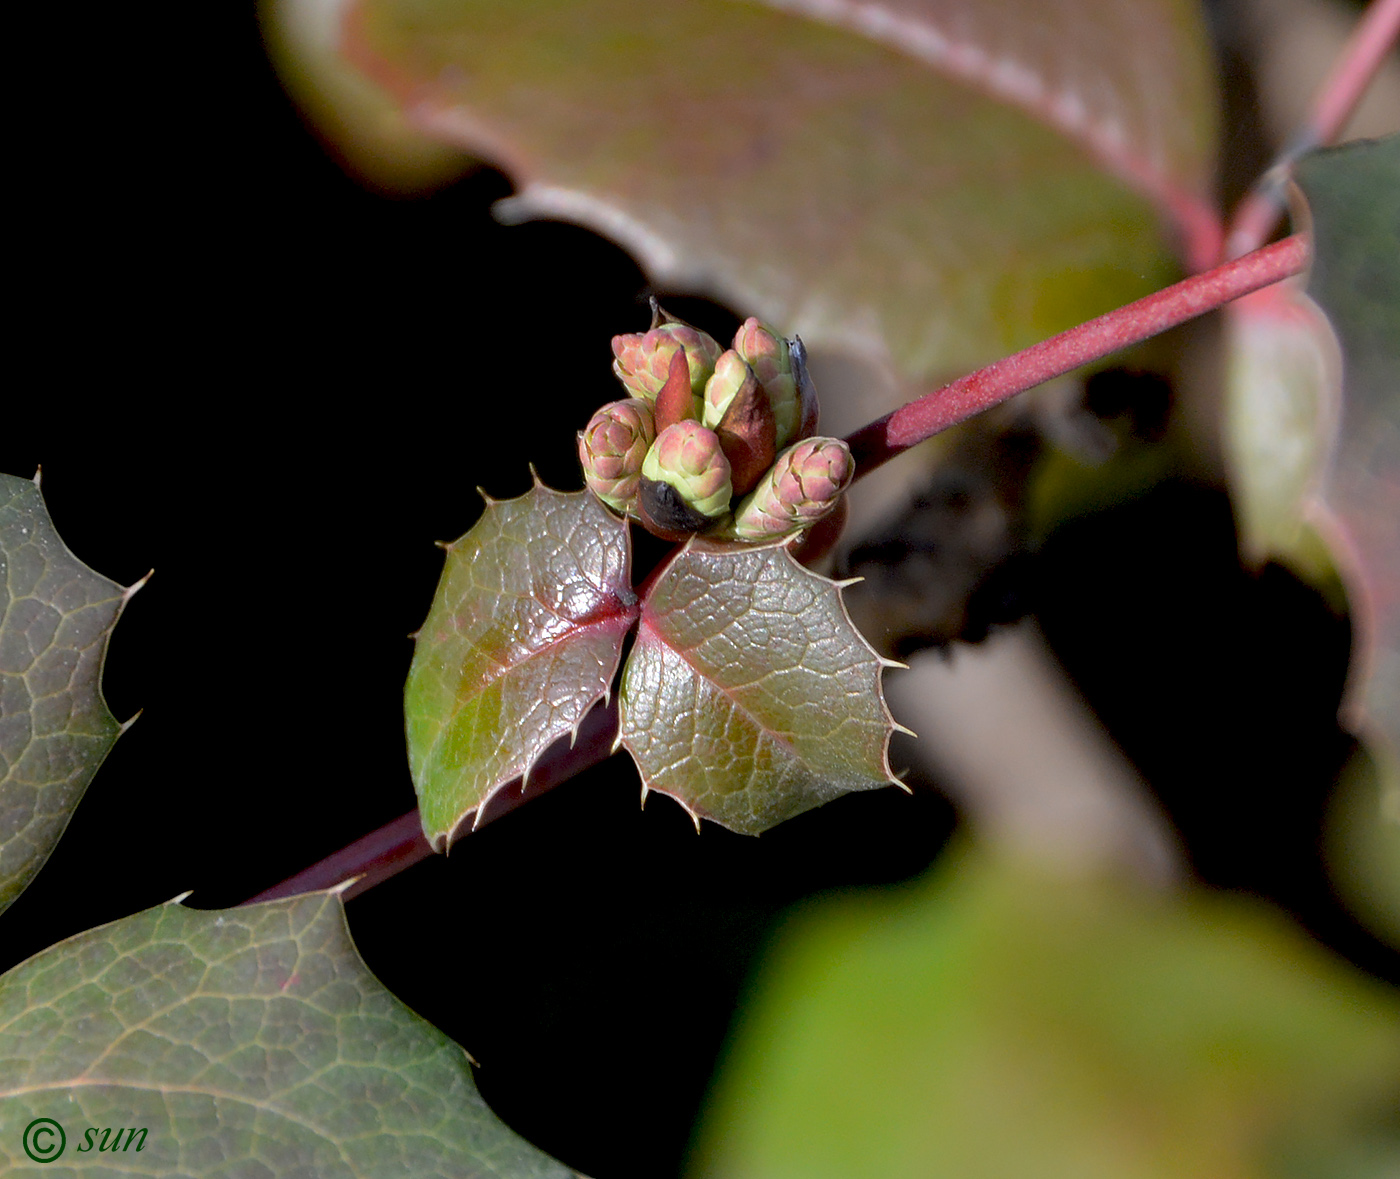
x=749, y=697
x=930, y=184
x=1002, y=1021
x=251, y=1041
x=524, y=636
x=56, y=616
x=1354, y=196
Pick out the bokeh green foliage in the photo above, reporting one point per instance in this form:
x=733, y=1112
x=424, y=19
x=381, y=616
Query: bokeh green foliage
x=997, y=1020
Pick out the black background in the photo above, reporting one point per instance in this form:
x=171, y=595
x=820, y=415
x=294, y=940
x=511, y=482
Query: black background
x=278, y=389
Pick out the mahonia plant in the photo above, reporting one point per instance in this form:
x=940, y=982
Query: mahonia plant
x=749, y=696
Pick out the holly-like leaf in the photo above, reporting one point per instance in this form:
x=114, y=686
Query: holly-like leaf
x=930, y=183
x=524, y=636
x=252, y=1041
x=56, y=616
x=1003, y=1021
x=749, y=697
x=1354, y=197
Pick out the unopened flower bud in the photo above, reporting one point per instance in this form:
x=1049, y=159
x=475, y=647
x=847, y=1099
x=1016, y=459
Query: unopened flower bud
x=612, y=448
x=643, y=360
x=771, y=359
x=738, y=410
x=677, y=402
x=803, y=486
x=685, y=485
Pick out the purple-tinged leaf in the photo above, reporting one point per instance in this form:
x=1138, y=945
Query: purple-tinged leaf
x=749, y=696
x=929, y=183
x=524, y=636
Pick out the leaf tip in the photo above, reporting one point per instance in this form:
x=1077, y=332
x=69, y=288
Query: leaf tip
x=136, y=587
x=446, y=545
x=345, y=885
x=126, y=724
x=39, y=476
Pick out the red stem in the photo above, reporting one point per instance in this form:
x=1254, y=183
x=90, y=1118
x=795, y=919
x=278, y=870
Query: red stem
x=895, y=433
x=1374, y=36
x=399, y=845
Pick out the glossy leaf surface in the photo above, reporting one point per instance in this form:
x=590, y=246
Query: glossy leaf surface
x=524, y=636
x=56, y=616
x=251, y=1042
x=1001, y=1021
x=1354, y=197
x=749, y=696
x=931, y=183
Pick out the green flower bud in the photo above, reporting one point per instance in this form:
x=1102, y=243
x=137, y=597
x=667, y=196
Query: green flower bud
x=804, y=485
x=738, y=410
x=685, y=483
x=731, y=375
x=643, y=360
x=770, y=357
x=611, y=449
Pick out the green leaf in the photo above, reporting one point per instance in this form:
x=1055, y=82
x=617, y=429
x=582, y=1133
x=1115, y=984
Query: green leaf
x=1354, y=196
x=749, y=697
x=56, y=616
x=249, y=1042
x=524, y=636
x=1280, y=364
x=929, y=185
x=1002, y=1021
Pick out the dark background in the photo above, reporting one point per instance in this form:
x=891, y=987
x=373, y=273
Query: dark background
x=278, y=389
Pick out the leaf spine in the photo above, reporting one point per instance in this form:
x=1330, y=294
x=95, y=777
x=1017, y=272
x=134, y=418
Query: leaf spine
x=135, y=587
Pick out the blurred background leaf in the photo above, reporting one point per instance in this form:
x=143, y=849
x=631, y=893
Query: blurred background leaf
x=995, y=1020
x=927, y=184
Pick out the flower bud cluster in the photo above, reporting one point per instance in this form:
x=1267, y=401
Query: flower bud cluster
x=711, y=439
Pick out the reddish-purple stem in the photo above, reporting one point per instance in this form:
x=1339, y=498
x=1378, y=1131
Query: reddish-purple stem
x=400, y=844
x=895, y=433
x=1372, y=39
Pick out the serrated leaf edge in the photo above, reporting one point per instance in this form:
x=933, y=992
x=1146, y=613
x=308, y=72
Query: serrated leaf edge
x=786, y=544
x=470, y=819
